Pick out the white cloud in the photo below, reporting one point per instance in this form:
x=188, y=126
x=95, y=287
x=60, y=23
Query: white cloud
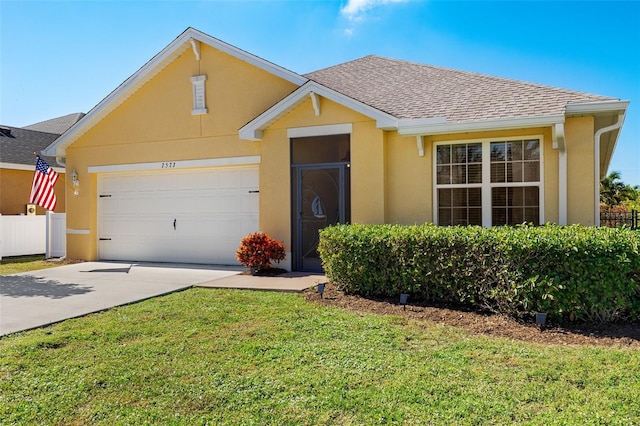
x=355, y=10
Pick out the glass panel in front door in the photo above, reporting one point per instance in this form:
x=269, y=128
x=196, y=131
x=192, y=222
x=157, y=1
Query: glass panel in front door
x=320, y=204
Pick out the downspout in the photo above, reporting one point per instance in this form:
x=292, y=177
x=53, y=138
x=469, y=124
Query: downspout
x=596, y=166
x=557, y=132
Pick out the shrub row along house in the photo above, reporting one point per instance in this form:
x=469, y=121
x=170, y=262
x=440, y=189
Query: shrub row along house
x=206, y=143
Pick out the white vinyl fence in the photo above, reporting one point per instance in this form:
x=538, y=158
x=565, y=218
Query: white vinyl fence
x=56, y=235
x=25, y=235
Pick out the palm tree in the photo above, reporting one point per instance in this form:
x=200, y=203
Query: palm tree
x=614, y=192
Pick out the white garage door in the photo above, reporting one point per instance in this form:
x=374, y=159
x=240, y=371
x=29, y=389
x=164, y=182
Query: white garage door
x=191, y=216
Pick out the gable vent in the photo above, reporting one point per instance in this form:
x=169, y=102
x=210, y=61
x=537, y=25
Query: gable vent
x=199, y=102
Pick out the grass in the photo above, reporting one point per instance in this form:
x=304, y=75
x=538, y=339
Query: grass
x=16, y=264
x=206, y=356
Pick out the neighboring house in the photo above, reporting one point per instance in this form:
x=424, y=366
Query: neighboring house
x=17, y=166
x=17, y=162
x=57, y=125
x=207, y=143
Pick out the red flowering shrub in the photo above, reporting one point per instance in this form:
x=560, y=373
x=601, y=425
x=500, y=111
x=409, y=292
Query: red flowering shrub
x=619, y=208
x=258, y=250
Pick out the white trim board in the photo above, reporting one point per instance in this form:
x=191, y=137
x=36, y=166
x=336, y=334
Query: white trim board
x=78, y=231
x=596, y=107
x=253, y=130
x=417, y=127
x=332, y=129
x=29, y=168
x=175, y=165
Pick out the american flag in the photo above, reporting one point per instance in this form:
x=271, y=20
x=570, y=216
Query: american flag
x=42, y=192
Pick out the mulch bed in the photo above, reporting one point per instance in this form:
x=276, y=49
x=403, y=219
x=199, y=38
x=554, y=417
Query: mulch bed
x=623, y=335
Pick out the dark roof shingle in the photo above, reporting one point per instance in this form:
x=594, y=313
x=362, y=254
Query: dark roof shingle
x=57, y=125
x=17, y=145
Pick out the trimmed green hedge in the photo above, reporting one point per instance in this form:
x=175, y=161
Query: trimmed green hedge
x=570, y=272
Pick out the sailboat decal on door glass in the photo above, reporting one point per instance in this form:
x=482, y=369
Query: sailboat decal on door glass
x=317, y=207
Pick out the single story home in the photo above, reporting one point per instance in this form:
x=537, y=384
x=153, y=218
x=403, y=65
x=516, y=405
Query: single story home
x=206, y=143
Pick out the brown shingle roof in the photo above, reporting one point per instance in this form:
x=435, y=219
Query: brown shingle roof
x=411, y=90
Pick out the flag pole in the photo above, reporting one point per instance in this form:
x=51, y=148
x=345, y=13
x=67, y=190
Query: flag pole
x=60, y=176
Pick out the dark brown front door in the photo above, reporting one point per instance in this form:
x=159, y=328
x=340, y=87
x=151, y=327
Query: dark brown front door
x=320, y=192
x=320, y=200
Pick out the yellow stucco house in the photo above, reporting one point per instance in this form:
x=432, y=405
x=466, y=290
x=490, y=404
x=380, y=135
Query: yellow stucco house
x=207, y=143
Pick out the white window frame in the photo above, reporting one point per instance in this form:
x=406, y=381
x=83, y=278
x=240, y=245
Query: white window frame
x=486, y=184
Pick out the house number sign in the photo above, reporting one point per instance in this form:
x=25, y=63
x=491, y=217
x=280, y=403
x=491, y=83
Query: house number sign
x=169, y=165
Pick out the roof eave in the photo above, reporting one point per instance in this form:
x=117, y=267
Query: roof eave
x=151, y=69
x=612, y=106
x=604, y=111
x=254, y=129
x=439, y=126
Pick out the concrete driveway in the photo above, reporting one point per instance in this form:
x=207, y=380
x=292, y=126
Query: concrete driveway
x=37, y=298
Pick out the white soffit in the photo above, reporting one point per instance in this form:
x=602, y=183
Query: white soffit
x=253, y=129
x=150, y=70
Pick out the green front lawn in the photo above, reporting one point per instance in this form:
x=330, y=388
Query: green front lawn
x=206, y=356
x=15, y=264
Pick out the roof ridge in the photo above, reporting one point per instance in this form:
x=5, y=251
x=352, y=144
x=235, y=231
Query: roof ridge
x=22, y=129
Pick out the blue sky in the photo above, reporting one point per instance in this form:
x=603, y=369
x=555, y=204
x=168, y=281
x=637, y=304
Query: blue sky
x=60, y=57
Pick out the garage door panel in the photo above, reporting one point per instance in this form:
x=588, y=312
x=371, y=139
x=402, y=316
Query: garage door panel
x=251, y=203
x=208, y=182
x=152, y=249
x=183, y=204
x=213, y=210
x=248, y=228
x=109, y=227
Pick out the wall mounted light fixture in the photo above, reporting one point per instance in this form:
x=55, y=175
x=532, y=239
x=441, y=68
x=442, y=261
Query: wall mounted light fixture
x=75, y=182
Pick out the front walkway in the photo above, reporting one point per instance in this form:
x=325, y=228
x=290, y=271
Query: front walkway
x=288, y=282
x=39, y=298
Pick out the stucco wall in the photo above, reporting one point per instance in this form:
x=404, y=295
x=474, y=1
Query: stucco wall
x=15, y=188
x=580, y=166
x=155, y=124
x=408, y=181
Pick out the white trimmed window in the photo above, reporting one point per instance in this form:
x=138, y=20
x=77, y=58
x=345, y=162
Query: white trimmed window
x=489, y=182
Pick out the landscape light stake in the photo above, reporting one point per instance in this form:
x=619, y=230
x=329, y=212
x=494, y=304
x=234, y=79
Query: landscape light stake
x=403, y=300
x=541, y=319
x=321, y=289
